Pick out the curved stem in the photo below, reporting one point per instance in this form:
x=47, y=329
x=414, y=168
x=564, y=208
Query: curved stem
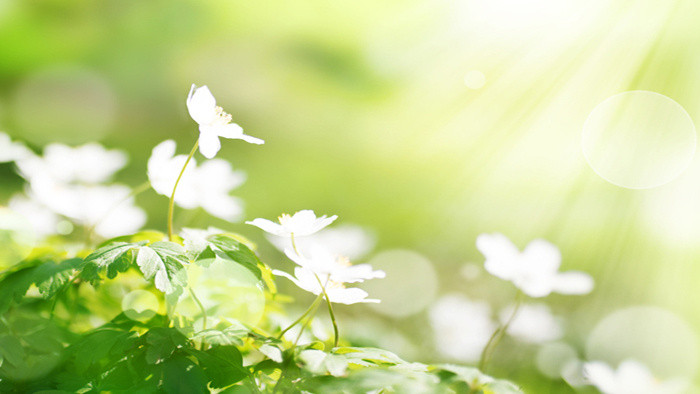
x=308, y=311
x=306, y=324
x=325, y=295
x=498, y=334
x=171, y=206
x=330, y=310
x=204, y=313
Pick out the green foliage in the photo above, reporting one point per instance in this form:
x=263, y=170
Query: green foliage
x=51, y=340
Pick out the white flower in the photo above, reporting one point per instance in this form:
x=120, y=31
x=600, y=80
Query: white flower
x=108, y=208
x=346, y=240
x=535, y=270
x=631, y=377
x=42, y=219
x=337, y=292
x=88, y=164
x=461, y=327
x=533, y=323
x=322, y=262
x=207, y=186
x=300, y=224
x=213, y=122
x=11, y=151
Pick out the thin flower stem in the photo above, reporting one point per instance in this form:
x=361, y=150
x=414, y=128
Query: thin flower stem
x=498, y=334
x=308, y=311
x=171, y=206
x=330, y=311
x=325, y=295
x=306, y=324
x=204, y=313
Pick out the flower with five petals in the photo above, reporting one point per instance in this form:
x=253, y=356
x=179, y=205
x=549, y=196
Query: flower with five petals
x=213, y=122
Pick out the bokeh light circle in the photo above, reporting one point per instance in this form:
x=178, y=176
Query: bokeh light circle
x=140, y=305
x=653, y=336
x=17, y=238
x=638, y=139
x=227, y=290
x=410, y=284
x=474, y=79
x=64, y=103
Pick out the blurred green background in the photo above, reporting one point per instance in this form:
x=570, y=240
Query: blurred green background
x=427, y=121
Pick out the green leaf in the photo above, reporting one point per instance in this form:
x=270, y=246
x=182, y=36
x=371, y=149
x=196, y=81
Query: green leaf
x=229, y=248
x=368, y=356
x=165, y=262
x=11, y=350
x=182, y=376
x=113, y=258
x=96, y=346
x=52, y=277
x=14, y=286
x=223, y=365
x=162, y=343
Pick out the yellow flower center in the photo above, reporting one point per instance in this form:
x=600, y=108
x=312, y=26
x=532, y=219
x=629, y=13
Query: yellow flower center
x=284, y=218
x=222, y=117
x=343, y=261
x=334, y=285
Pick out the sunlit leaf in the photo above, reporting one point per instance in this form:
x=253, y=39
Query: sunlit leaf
x=165, y=262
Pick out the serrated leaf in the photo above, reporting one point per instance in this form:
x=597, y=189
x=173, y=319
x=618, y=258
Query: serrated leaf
x=367, y=356
x=94, y=347
x=113, y=258
x=162, y=343
x=272, y=352
x=52, y=277
x=223, y=365
x=229, y=248
x=165, y=262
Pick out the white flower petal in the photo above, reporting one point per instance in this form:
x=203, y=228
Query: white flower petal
x=201, y=105
x=542, y=256
x=501, y=255
x=268, y=226
x=573, y=282
x=209, y=143
x=223, y=207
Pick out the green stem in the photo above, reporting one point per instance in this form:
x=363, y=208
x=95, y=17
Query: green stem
x=330, y=311
x=325, y=295
x=171, y=206
x=306, y=324
x=498, y=334
x=308, y=311
x=204, y=313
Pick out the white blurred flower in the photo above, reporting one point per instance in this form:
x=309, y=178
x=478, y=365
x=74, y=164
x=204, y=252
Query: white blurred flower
x=110, y=209
x=42, y=219
x=322, y=262
x=535, y=271
x=346, y=240
x=533, y=323
x=300, y=224
x=11, y=151
x=631, y=377
x=89, y=163
x=461, y=327
x=206, y=186
x=337, y=292
x=213, y=122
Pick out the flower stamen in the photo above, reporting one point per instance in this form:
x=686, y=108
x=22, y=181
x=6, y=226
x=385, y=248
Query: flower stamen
x=222, y=117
